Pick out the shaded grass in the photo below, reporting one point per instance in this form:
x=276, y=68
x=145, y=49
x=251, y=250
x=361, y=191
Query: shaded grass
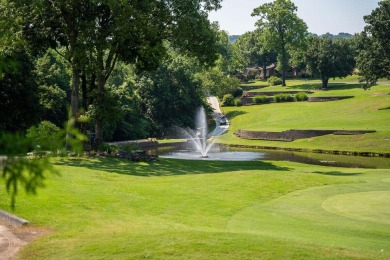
x=108, y=208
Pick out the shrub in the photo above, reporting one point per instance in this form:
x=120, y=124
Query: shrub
x=238, y=92
x=274, y=81
x=228, y=100
x=44, y=137
x=261, y=99
x=301, y=97
x=283, y=98
x=238, y=103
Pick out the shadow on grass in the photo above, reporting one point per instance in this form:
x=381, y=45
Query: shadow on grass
x=334, y=173
x=233, y=114
x=167, y=167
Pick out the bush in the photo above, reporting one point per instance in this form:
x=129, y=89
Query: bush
x=274, y=81
x=283, y=98
x=44, y=137
x=228, y=100
x=261, y=99
x=238, y=103
x=238, y=92
x=301, y=97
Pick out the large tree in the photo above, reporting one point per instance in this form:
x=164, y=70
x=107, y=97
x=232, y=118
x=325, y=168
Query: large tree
x=220, y=79
x=96, y=34
x=330, y=58
x=171, y=93
x=250, y=50
x=373, y=59
x=282, y=30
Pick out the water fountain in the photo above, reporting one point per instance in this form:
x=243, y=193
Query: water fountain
x=198, y=137
x=202, y=143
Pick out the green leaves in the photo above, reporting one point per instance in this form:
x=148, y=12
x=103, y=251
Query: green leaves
x=330, y=58
x=22, y=169
x=19, y=170
x=282, y=29
x=24, y=172
x=373, y=60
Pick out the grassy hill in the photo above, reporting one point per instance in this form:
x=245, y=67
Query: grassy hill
x=367, y=110
x=179, y=209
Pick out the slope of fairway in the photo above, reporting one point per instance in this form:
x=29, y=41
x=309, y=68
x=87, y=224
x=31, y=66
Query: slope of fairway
x=178, y=209
x=366, y=110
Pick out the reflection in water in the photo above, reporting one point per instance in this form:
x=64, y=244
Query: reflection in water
x=239, y=154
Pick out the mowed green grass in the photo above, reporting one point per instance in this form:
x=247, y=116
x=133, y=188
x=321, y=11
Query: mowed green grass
x=179, y=209
x=367, y=110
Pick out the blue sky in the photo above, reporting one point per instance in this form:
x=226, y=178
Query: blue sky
x=321, y=16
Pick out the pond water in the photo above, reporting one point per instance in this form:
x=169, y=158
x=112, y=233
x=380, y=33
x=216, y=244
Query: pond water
x=222, y=153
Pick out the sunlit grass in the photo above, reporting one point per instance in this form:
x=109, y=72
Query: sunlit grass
x=117, y=209
x=366, y=110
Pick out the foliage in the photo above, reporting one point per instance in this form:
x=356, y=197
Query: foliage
x=96, y=35
x=25, y=172
x=251, y=74
x=237, y=103
x=107, y=111
x=274, y=81
x=283, y=98
x=133, y=124
x=250, y=50
x=51, y=70
x=330, y=58
x=301, y=96
x=228, y=100
x=170, y=94
x=220, y=79
x=216, y=82
x=53, y=102
x=238, y=92
x=260, y=99
x=282, y=30
x=17, y=170
x=19, y=108
x=373, y=53
x=44, y=136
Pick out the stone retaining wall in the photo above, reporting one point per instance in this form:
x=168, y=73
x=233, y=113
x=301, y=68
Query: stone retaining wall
x=246, y=88
x=292, y=92
x=291, y=135
x=325, y=99
x=248, y=97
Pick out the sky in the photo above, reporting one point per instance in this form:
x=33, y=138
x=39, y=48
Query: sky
x=321, y=16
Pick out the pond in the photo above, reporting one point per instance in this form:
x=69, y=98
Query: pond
x=220, y=152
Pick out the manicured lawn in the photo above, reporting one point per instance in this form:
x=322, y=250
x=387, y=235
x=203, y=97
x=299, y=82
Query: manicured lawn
x=367, y=110
x=174, y=209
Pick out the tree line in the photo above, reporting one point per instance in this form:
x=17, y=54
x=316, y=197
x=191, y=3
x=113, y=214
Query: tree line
x=130, y=70
x=281, y=37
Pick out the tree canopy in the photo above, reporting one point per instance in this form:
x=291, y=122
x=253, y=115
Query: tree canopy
x=373, y=59
x=330, y=58
x=96, y=34
x=282, y=29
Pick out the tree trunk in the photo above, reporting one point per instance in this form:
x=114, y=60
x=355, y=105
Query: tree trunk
x=74, y=102
x=264, y=71
x=99, y=103
x=325, y=81
x=84, y=91
x=284, y=65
